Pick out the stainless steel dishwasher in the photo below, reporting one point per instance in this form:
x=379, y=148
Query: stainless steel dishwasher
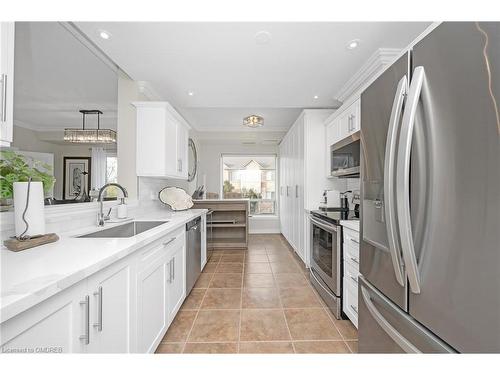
x=193, y=253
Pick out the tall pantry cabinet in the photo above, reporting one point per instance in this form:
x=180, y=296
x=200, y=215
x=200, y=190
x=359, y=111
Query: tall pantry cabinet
x=302, y=162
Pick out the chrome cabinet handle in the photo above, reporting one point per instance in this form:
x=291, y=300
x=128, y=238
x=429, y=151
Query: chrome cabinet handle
x=169, y=241
x=98, y=294
x=86, y=336
x=296, y=191
x=355, y=260
x=173, y=268
x=354, y=308
x=4, y=98
x=353, y=240
x=169, y=272
x=389, y=169
x=403, y=178
x=355, y=279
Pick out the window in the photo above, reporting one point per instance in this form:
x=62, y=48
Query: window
x=111, y=175
x=252, y=177
x=111, y=168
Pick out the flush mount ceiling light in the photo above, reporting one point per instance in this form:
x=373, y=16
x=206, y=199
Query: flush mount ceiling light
x=104, y=34
x=263, y=37
x=353, y=44
x=90, y=135
x=253, y=121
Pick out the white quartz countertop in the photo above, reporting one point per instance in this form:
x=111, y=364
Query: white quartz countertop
x=351, y=224
x=31, y=276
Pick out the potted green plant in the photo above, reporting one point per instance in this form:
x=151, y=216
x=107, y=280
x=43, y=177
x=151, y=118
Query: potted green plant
x=15, y=167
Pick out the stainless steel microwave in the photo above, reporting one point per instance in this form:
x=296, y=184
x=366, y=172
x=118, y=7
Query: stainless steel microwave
x=345, y=157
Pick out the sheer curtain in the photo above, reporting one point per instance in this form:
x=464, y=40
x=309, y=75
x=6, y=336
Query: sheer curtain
x=98, y=167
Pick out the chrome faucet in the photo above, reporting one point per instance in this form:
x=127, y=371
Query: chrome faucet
x=100, y=215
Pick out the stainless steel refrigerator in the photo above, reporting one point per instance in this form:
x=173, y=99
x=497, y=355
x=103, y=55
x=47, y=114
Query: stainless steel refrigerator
x=430, y=227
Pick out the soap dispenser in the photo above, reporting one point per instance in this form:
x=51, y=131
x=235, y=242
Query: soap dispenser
x=122, y=209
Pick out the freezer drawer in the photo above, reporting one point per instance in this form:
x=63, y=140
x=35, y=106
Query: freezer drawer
x=385, y=328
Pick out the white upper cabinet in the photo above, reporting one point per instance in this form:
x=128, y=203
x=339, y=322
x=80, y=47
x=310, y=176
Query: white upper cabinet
x=301, y=178
x=341, y=125
x=349, y=120
x=162, y=141
x=6, y=82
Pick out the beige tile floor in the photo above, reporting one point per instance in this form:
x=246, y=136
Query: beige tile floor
x=257, y=300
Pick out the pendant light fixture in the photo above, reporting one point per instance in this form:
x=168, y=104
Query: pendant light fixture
x=90, y=135
x=253, y=121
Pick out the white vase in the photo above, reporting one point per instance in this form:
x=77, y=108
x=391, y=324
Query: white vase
x=35, y=214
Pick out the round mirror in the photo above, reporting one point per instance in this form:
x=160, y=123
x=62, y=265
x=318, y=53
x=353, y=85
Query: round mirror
x=193, y=161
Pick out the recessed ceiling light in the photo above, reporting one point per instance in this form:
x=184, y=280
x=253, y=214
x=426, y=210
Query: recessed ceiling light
x=104, y=34
x=263, y=37
x=190, y=93
x=316, y=97
x=353, y=44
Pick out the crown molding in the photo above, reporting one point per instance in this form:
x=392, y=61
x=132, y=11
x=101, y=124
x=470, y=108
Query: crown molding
x=91, y=46
x=376, y=63
x=148, y=91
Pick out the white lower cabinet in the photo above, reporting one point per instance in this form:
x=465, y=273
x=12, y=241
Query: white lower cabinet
x=152, y=315
x=126, y=307
x=176, y=287
x=161, y=289
x=56, y=325
x=112, y=308
x=351, y=274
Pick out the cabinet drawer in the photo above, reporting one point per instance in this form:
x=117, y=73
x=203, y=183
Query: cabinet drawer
x=351, y=237
x=350, y=305
x=161, y=246
x=351, y=254
x=351, y=272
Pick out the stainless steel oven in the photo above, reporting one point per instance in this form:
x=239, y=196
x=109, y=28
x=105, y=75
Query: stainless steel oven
x=326, y=262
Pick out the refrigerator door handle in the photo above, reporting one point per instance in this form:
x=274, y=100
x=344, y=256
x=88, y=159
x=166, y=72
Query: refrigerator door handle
x=389, y=169
x=403, y=179
x=398, y=338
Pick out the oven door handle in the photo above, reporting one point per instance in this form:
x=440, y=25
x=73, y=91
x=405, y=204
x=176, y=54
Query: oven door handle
x=323, y=225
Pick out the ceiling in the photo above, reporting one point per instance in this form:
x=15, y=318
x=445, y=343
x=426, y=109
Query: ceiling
x=56, y=76
x=234, y=71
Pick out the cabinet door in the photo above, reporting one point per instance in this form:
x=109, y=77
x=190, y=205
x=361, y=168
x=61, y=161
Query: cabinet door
x=6, y=82
x=56, y=325
x=176, y=287
x=301, y=191
x=203, y=260
x=171, y=142
x=182, y=151
x=344, y=124
x=355, y=112
x=152, y=315
x=283, y=186
x=112, y=309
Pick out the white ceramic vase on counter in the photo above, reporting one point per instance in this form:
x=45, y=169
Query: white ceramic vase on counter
x=35, y=214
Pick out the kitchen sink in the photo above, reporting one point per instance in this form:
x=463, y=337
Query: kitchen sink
x=125, y=230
